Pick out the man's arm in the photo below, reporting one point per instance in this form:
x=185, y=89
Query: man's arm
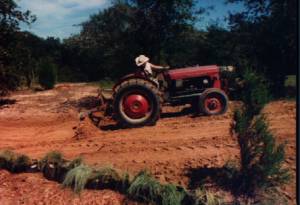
x=158, y=67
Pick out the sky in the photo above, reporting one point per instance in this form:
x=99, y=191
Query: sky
x=58, y=18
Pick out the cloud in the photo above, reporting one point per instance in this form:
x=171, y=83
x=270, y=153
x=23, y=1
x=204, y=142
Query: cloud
x=57, y=17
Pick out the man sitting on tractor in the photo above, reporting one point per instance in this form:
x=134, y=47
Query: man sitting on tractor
x=150, y=69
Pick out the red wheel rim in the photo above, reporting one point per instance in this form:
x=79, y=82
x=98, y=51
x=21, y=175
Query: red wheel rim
x=136, y=106
x=213, y=104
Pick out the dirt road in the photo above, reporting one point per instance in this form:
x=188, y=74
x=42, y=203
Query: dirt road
x=40, y=122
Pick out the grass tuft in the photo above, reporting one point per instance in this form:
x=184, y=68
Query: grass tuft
x=53, y=166
x=204, y=197
x=144, y=188
x=21, y=163
x=7, y=159
x=105, y=178
x=78, y=177
x=170, y=195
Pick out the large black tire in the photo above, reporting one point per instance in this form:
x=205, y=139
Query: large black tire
x=145, y=90
x=213, y=102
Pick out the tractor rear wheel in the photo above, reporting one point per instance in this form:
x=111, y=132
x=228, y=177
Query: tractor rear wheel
x=136, y=102
x=213, y=102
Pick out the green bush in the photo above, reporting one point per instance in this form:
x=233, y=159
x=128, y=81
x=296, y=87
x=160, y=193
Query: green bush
x=78, y=177
x=146, y=189
x=47, y=74
x=204, y=197
x=53, y=166
x=7, y=159
x=254, y=92
x=105, y=178
x=13, y=162
x=261, y=158
x=8, y=82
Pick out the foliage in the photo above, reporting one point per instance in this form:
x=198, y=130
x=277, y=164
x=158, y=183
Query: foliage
x=265, y=36
x=144, y=187
x=104, y=178
x=47, y=74
x=254, y=92
x=21, y=163
x=13, y=162
x=78, y=177
x=261, y=157
x=170, y=195
x=204, y=197
x=10, y=18
x=7, y=159
x=147, y=189
x=8, y=82
x=53, y=166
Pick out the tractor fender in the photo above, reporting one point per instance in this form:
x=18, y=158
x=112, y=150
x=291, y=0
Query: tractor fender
x=133, y=76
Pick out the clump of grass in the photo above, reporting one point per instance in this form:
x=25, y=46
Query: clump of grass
x=125, y=182
x=170, y=195
x=53, y=166
x=144, y=188
x=7, y=159
x=13, y=162
x=74, y=163
x=78, y=177
x=204, y=197
x=21, y=163
x=105, y=178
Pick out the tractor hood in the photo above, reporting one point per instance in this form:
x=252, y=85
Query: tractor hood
x=193, y=72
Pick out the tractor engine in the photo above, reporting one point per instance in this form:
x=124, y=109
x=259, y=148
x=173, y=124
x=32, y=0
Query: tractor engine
x=185, y=83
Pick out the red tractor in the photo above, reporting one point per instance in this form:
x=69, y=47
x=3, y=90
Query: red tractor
x=137, y=101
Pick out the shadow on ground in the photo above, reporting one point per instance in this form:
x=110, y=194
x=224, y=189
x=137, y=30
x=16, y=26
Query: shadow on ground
x=223, y=177
x=7, y=101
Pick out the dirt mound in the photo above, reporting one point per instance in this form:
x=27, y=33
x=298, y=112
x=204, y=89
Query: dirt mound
x=180, y=142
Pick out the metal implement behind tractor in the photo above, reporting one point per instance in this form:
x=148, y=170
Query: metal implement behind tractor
x=137, y=100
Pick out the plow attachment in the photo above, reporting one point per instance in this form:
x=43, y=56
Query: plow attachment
x=103, y=110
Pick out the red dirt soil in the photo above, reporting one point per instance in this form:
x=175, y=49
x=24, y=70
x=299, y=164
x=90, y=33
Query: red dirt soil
x=40, y=122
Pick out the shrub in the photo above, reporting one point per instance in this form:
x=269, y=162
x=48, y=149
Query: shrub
x=13, y=162
x=254, y=92
x=261, y=158
x=105, y=178
x=170, y=195
x=21, y=163
x=8, y=82
x=145, y=188
x=78, y=177
x=204, y=197
x=47, y=74
x=53, y=166
x=7, y=159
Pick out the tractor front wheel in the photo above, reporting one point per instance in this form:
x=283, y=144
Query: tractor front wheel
x=213, y=102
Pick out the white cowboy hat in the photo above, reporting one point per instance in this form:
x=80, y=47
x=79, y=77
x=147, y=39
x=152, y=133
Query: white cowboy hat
x=142, y=59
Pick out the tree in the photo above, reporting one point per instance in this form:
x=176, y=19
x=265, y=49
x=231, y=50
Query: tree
x=10, y=18
x=47, y=73
x=266, y=36
x=110, y=40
